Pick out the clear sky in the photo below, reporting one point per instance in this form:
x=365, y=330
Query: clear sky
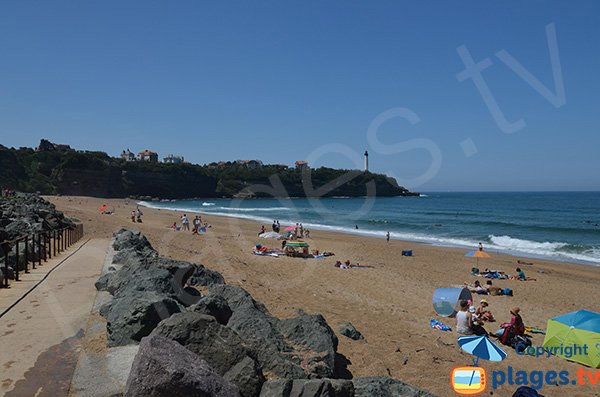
x=282, y=81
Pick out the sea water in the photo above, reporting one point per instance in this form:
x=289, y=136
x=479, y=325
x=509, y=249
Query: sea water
x=560, y=226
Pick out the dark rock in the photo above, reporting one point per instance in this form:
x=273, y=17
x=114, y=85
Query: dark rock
x=221, y=347
x=128, y=239
x=205, y=277
x=247, y=376
x=276, y=388
x=134, y=316
x=348, y=330
x=250, y=319
x=315, y=339
x=258, y=328
x=386, y=387
x=164, y=368
x=215, y=306
x=307, y=388
x=127, y=281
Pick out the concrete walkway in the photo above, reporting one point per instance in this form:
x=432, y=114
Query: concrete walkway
x=40, y=337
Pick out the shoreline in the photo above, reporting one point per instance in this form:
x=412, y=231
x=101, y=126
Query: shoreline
x=390, y=303
x=430, y=241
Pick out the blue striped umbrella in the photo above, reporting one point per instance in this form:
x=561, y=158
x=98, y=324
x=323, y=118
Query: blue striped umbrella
x=481, y=347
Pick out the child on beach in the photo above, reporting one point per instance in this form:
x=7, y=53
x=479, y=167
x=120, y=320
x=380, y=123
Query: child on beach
x=521, y=276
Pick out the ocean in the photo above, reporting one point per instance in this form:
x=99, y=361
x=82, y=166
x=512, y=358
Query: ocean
x=561, y=226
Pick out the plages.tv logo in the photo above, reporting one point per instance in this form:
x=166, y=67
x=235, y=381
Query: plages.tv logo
x=468, y=380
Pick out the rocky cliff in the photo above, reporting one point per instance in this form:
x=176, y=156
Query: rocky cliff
x=58, y=169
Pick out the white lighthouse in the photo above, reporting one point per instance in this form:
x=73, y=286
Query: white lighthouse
x=366, y=161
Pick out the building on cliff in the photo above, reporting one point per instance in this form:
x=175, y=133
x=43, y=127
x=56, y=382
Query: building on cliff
x=148, y=155
x=251, y=164
x=301, y=164
x=127, y=155
x=172, y=159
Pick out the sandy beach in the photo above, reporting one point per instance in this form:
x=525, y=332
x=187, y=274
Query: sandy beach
x=389, y=302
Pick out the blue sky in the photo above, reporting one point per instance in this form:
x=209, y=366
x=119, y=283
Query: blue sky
x=283, y=81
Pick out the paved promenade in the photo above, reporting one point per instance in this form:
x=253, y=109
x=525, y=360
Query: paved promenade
x=40, y=337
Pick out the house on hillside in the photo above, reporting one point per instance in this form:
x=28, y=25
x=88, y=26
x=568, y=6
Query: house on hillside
x=172, y=159
x=301, y=164
x=250, y=164
x=127, y=155
x=148, y=155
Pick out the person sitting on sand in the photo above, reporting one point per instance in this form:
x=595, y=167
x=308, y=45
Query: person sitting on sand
x=521, y=276
x=306, y=233
x=483, y=313
x=464, y=319
x=512, y=329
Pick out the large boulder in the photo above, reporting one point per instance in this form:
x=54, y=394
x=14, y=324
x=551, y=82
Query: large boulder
x=129, y=239
x=221, y=347
x=308, y=388
x=164, y=368
x=314, y=340
x=205, y=277
x=259, y=330
x=247, y=376
x=134, y=316
x=215, y=306
x=382, y=386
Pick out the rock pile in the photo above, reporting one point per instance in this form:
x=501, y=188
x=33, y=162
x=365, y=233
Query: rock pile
x=25, y=214
x=221, y=344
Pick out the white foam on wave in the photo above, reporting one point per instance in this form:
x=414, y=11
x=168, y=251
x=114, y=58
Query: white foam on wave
x=263, y=209
x=551, y=249
x=502, y=244
x=205, y=204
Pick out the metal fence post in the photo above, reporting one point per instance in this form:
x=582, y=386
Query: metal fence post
x=17, y=261
x=5, y=248
x=26, y=254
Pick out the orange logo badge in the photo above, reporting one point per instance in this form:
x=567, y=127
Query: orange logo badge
x=468, y=380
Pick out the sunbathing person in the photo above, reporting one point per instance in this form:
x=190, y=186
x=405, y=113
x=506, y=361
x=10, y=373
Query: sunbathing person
x=477, y=288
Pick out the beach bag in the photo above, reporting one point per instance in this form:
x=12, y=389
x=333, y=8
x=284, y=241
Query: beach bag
x=495, y=291
x=521, y=343
x=526, y=391
x=407, y=253
x=507, y=291
x=474, y=271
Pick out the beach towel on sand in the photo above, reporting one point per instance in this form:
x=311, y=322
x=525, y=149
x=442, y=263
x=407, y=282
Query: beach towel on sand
x=439, y=325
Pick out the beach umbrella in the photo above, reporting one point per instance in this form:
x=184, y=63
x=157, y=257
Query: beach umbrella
x=477, y=254
x=481, y=347
x=568, y=334
x=290, y=228
x=102, y=208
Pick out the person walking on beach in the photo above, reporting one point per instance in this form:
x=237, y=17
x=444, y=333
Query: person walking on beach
x=133, y=216
x=185, y=222
x=139, y=215
x=387, y=237
x=480, y=246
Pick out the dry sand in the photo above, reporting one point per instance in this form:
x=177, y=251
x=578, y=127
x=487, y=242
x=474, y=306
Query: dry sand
x=389, y=303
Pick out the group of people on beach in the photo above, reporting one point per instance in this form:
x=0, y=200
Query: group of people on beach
x=470, y=320
x=197, y=225
x=136, y=215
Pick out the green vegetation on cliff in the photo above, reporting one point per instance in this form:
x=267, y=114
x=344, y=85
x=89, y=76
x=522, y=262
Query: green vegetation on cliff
x=60, y=170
